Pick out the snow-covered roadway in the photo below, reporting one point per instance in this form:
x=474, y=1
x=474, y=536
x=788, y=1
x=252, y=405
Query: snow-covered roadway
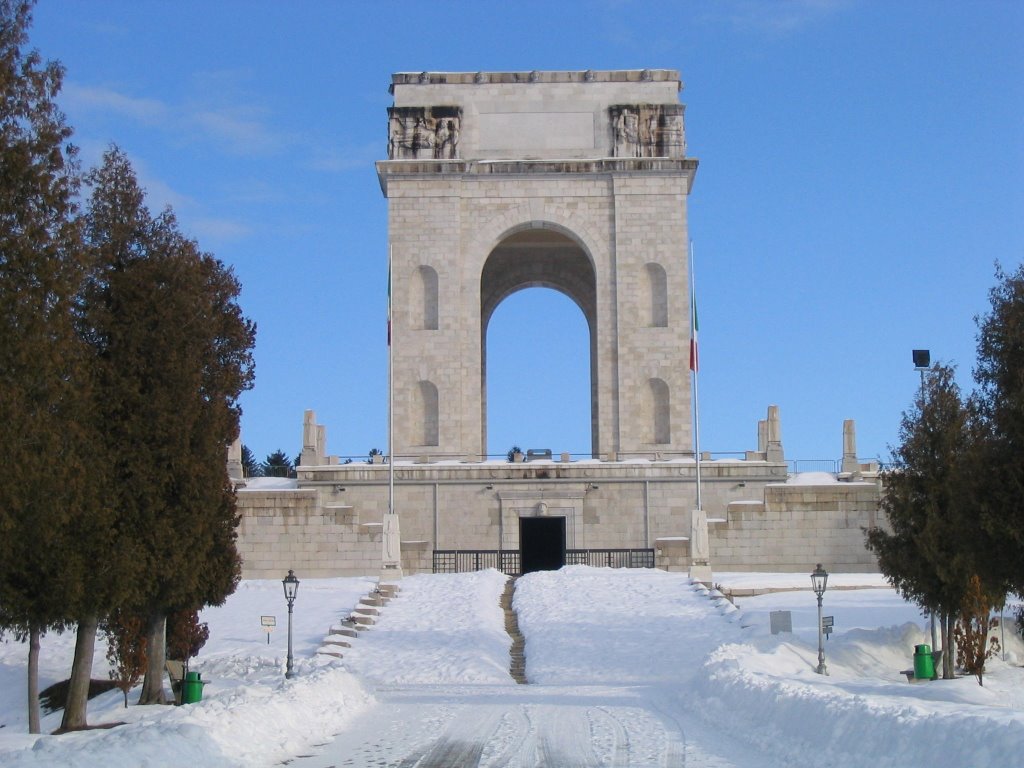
x=610, y=654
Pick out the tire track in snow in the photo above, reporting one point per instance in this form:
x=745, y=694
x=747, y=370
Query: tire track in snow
x=462, y=743
x=565, y=739
x=521, y=737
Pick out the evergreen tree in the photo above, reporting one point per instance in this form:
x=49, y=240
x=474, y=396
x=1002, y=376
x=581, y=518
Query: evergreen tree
x=927, y=553
x=250, y=467
x=174, y=354
x=277, y=464
x=41, y=383
x=1000, y=375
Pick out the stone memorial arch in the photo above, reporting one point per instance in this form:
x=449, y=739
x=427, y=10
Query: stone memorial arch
x=576, y=181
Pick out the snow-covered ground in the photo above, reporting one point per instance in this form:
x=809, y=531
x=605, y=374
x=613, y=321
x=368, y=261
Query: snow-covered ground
x=627, y=667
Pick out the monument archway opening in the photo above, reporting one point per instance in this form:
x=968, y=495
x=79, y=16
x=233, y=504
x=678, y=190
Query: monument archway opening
x=541, y=257
x=538, y=375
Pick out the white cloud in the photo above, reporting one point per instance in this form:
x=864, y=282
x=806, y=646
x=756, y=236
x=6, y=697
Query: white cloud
x=239, y=128
x=159, y=194
x=779, y=17
x=80, y=97
x=207, y=228
x=237, y=131
x=335, y=159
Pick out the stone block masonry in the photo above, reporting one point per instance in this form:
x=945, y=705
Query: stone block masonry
x=330, y=523
x=578, y=181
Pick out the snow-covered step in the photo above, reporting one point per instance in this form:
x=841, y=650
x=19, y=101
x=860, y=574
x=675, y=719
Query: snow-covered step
x=346, y=631
x=388, y=590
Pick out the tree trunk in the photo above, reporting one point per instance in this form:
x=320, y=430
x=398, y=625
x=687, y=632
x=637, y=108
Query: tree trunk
x=156, y=653
x=33, y=679
x=948, y=652
x=81, y=674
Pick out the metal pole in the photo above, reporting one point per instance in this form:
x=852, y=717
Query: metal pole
x=696, y=406
x=821, y=645
x=931, y=613
x=288, y=666
x=391, y=396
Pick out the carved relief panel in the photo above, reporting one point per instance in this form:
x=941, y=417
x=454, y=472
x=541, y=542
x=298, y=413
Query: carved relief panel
x=647, y=130
x=424, y=133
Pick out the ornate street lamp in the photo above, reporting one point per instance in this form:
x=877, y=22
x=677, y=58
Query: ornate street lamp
x=819, y=580
x=291, y=589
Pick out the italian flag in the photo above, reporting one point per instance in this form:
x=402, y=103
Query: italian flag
x=693, y=335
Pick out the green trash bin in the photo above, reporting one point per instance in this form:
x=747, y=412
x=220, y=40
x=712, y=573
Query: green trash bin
x=924, y=663
x=192, y=688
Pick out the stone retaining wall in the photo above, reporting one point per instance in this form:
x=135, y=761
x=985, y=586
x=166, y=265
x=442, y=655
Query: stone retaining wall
x=330, y=523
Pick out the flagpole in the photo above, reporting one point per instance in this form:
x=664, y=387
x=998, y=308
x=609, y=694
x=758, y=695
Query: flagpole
x=391, y=397
x=694, y=366
x=391, y=540
x=700, y=552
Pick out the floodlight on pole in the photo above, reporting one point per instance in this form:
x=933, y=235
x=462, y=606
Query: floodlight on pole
x=922, y=362
x=819, y=580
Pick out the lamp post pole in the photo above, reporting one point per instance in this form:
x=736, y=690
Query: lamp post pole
x=291, y=589
x=819, y=579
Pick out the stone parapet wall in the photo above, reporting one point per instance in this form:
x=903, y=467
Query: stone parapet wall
x=331, y=524
x=796, y=526
x=291, y=529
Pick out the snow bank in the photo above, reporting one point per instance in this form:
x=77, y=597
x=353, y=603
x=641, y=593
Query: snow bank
x=775, y=700
x=249, y=714
x=253, y=725
x=270, y=484
x=864, y=713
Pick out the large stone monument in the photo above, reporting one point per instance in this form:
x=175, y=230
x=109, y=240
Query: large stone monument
x=576, y=181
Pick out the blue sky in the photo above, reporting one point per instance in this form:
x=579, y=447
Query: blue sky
x=861, y=167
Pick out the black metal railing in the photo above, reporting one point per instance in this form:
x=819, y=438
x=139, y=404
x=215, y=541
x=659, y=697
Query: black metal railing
x=467, y=560
x=507, y=561
x=611, y=558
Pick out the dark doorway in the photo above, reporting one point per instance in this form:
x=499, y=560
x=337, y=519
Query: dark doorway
x=541, y=543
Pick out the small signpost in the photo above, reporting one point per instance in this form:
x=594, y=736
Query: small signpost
x=827, y=622
x=268, y=622
x=781, y=621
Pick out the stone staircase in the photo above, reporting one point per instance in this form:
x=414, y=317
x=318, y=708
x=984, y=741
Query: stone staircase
x=517, y=661
x=362, y=618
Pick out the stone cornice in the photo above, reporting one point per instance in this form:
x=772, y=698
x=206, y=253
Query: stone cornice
x=537, y=76
x=433, y=169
